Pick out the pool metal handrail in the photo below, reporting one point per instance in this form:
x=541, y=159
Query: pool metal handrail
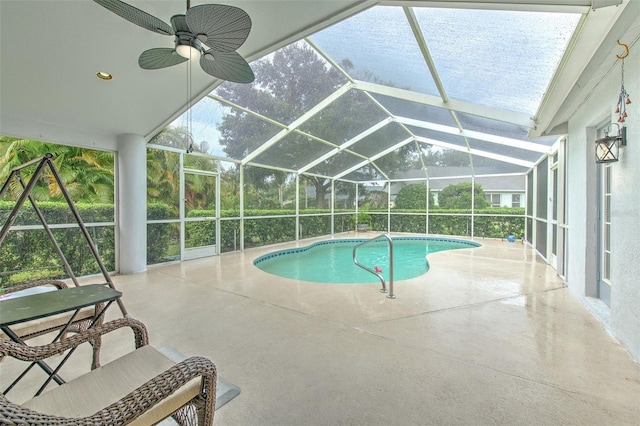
x=377, y=274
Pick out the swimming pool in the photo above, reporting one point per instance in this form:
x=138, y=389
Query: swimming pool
x=331, y=261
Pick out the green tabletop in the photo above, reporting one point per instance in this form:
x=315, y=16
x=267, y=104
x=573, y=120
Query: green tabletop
x=26, y=308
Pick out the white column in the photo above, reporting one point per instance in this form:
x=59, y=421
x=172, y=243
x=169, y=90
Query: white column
x=132, y=203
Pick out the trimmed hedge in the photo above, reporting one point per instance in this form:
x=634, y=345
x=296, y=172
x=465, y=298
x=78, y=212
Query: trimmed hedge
x=161, y=237
x=57, y=213
x=29, y=255
x=259, y=230
x=497, y=222
x=31, y=251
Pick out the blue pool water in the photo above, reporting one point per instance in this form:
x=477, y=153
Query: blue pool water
x=331, y=261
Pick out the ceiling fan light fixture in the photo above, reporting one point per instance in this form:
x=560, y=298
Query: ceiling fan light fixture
x=187, y=51
x=211, y=33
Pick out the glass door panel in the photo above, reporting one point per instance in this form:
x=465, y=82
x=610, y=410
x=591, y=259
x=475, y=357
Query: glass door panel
x=200, y=214
x=554, y=217
x=604, y=234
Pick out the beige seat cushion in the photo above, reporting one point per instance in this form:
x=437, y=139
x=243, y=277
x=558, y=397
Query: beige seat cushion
x=48, y=323
x=100, y=388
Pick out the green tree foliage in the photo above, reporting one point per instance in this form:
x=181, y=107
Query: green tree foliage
x=377, y=199
x=413, y=197
x=175, y=137
x=288, y=84
x=434, y=156
x=200, y=188
x=268, y=189
x=458, y=196
x=230, y=190
x=446, y=158
x=163, y=180
x=163, y=172
x=345, y=194
x=87, y=174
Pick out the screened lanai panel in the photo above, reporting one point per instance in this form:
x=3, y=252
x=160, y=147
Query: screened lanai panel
x=415, y=110
x=493, y=127
x=163, y=185
x=368, y=173
x=451, y=192
x=439, y=136
x=442, y=162
x=490, y=148
x=352, y=113
x=200, y=162
x=513, y=54
x=498, y=128
x=288, y=83
x=197, y=127
x=345, y=198
x=242, y=133
x=397, y=164
x=336, y=164
x=293, y=152
x=380, y=140
x=403, y=159
x=230, y=188
x=217, y=129
x=410, y=174
x=506, y=150
x=489, y=166
x=267, y=189
x=379, y=47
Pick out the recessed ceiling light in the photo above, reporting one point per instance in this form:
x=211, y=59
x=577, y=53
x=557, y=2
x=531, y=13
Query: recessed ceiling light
x=104, y=75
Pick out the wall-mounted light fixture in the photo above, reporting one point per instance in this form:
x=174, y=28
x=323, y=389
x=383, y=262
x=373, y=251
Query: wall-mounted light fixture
x=608, y=147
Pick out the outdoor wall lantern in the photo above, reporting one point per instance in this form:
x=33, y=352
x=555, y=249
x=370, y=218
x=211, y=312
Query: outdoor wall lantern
x=608, y=147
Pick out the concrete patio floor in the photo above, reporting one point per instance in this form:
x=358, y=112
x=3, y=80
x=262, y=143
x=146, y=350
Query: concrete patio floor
x=489, y=335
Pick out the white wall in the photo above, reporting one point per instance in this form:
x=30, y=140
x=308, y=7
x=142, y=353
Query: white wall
x=132, y=204
x=47, y=132
x=623, y=317
x=506, y=200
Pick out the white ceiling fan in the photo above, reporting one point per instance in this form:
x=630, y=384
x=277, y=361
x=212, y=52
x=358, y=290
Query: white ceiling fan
x=210, y=32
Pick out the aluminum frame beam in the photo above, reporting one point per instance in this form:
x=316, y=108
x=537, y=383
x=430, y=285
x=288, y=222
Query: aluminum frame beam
x=473, y=151
x=487, y=137
x=297, y=123
x=347, y=144
x=373, y=158
x=497, y=114
x=561, y=6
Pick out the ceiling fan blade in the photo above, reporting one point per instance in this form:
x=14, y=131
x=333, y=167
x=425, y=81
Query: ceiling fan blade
x=228, y=66
x=136, y=16
x=161, y=57
x=222, y=28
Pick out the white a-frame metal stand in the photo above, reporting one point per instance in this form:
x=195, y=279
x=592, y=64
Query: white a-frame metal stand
x=46, y=164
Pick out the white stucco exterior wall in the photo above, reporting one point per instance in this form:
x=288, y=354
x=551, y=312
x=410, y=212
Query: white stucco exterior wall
x=132, y=204
x=623, y=317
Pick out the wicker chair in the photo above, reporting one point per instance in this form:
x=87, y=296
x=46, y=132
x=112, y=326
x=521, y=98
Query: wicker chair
x=140, y=388
x=36, y=328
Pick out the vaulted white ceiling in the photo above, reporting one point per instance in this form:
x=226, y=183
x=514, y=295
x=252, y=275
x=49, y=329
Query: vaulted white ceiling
x=51, y=50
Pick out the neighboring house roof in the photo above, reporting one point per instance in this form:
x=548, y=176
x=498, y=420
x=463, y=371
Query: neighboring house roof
x=436, y=172
x=495, y=183
x=489, y=184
